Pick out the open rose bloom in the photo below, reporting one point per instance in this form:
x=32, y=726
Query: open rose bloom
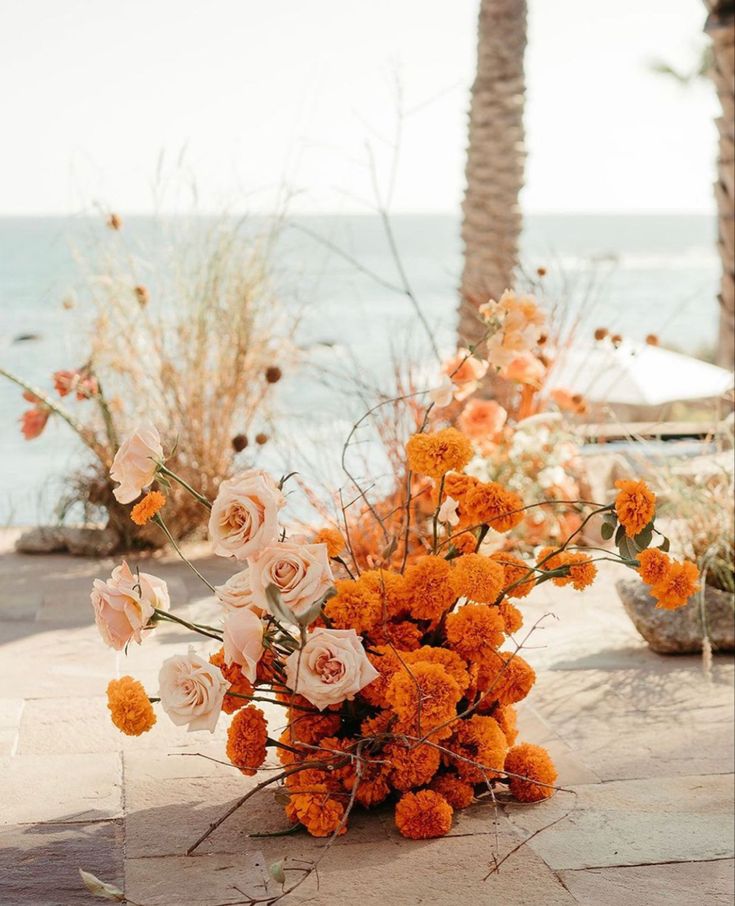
x=136, y=463
x=397, y=665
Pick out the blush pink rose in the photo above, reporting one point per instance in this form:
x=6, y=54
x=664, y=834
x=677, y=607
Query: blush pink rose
x=332, y=667
x=243, y=640
x=236, y=592
x=125, y=603
x=192, y=691
x=301, y=573
x=244, y=517
x=135, y=463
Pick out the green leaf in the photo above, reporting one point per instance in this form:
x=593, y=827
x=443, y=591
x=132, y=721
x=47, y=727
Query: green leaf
x=276, y=606
x=607, y=530
x=619, y=535
x=275, y=869
x=665, y=545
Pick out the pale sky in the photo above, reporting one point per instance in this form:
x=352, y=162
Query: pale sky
x=267, y=95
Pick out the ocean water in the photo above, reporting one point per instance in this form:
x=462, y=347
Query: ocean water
x=633, y=274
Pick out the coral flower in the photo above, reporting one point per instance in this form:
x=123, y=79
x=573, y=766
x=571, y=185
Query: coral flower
x=677, y=586
x=411, y=765
x=516, y=570
x=130, y=708
x=33, y=421
x=333, y=539
x=475, y=631
x=458, y=793
x=491, y=504
x=482, y=419
x=436, y=454
x=635, y=506
x=431, y=588
x=423, y=815
x=246, y=739
x=478, y=578
x=424, y=699
x=465, y=371
x=536, y=770
x=525, y=368
x=654, y=565
x=479, y=746
x=240, y=685
x=146, y=509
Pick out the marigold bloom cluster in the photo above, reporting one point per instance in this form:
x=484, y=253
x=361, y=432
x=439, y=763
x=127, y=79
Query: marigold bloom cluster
x=146, y=509
x=130, y=708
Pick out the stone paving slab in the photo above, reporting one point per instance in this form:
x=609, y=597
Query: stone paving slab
x=683, y=884
x=39, y=863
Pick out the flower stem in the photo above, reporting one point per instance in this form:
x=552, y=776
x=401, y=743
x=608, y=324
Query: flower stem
x=159, y=521
x=165, y=615
x=185, y=484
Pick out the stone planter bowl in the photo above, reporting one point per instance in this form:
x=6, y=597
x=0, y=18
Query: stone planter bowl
x=680, y=631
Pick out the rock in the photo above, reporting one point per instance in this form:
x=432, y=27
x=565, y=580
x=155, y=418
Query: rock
x=82, y=542
x=680, y=631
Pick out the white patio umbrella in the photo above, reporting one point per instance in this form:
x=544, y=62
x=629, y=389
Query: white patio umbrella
x=636, y=374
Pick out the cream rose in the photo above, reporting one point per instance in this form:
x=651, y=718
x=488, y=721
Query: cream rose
x=330, y=668
x=300, y=572
x=135, y=463
x=244, y=517
x=243, y=640
x=124, y=604
x=192, y=691
x=236, y=592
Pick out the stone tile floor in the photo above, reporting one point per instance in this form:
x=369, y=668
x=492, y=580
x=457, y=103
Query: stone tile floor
x=644, y=744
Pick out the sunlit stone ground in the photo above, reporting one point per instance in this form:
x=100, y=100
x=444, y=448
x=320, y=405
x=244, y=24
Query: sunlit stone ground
x=644, y=743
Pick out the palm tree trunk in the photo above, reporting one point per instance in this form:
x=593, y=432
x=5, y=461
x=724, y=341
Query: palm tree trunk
x=495, y=161
x=721, y=28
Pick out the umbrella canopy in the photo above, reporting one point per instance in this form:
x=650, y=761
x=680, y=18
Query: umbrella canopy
x=636, y=374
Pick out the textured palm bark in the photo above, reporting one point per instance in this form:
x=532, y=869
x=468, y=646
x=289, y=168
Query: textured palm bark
x=721, y=28
x=495, y=160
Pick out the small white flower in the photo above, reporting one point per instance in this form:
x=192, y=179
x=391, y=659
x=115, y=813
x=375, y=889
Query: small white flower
x=443, y=395
x=448, y=511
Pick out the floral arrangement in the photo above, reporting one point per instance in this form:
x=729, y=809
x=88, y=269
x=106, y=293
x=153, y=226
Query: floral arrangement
x=398, y=682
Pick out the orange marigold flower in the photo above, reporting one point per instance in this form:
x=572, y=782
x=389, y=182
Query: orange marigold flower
x=374, y=787
x=130, y=708
x=635, y=506
x=465, y=543
x=677, y=586
x=239, y=684
x=506, y=679
x=355, y=606
x=266, y=672
x=246, y=739
x=431, y=588
x=449, y=660
x=403, y=635
x=390, y=588
x=478, y=578
x=386, y=662
x=507, y=721
x=320, y=813
x=312, y=728
x=582, y=572
x=424, y=699
x=411, y=766
x=515, y=570
x=458, y=793
x=535, y=767
x=438, y=453
x=512, y=617
x=334, y=540
x=423, y=815
x=457, y=485
x=479, y=746
x=286, y=756
x=475, y=630
x=377, y=725
x=491, y=504
x=146, y=509
x=653, y=566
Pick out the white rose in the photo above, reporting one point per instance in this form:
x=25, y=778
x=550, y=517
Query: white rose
x=331, y=667
x=301, y=573
x=192, y=691
x=243, y=641
x=236, y=592
x=244, y=517
x=135, y=463
x=124, y=604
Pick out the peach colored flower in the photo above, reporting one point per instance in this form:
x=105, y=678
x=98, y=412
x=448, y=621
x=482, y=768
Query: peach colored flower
x=192, y=691
x=33, y=421
x=243, y=641
x=448, y=511
x=135, y=463
x=482, y=418
x=300, y=572
x=466, y=372
x=443, y=394
x=125, y=603
x=525, y=368
x=331, y=667
x=236, y=592
x=244, y=517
